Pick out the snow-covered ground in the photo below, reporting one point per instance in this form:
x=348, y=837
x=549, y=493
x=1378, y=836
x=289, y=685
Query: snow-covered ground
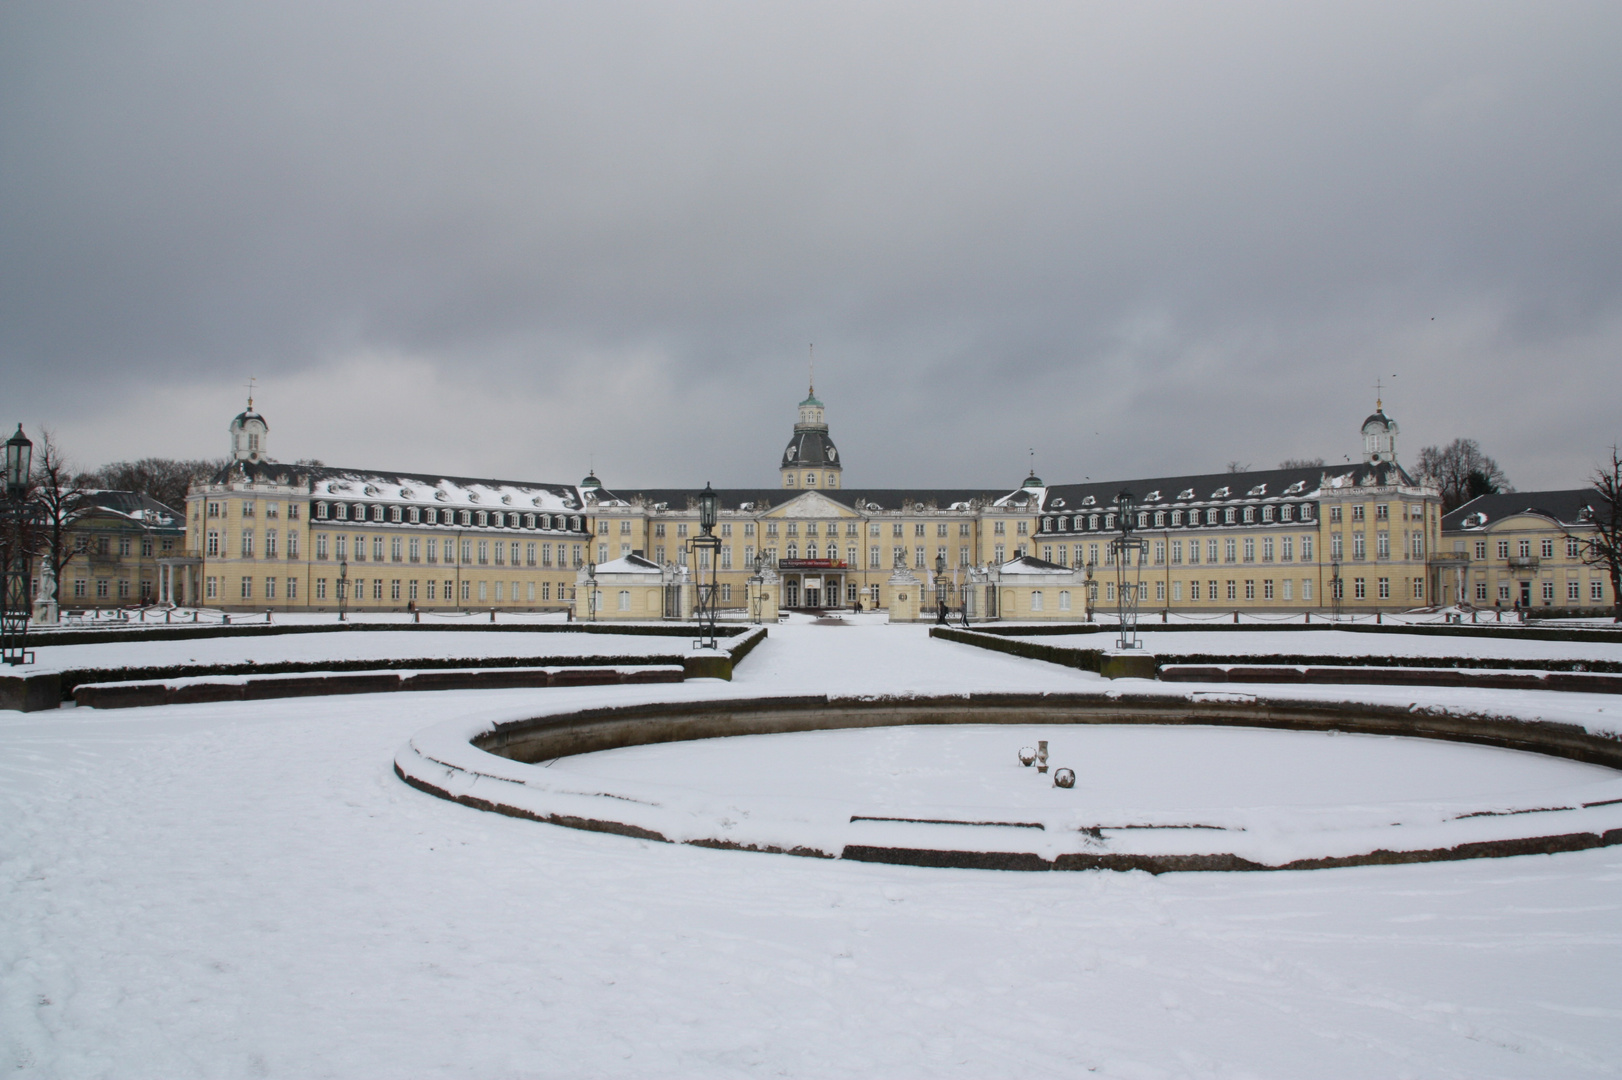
x=355, y=645
x=247, y=890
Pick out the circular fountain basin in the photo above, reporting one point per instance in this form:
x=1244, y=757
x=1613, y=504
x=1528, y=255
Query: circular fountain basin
x=1161, y=784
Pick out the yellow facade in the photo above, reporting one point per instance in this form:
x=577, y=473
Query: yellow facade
x=1356, y=538
x=1525, y=550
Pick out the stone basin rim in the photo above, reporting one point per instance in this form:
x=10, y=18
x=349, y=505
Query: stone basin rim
x=451, y=771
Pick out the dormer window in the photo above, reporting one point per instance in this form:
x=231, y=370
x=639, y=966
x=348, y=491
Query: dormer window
x=416, y=515
x=1186, y=493
x=1284, y=512
x=1296, y=488
x=1153, y=496
x=396, y=514
x=340, y=512
x=1176, y=517
x=377, y=512
x=1221, y=493
x=1257, y=491
x=1267, y=513
x=321, y=510
x=1250, y=514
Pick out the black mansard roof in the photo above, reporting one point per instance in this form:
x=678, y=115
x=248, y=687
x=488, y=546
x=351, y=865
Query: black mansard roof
x=1173, y=491
x=1563, y=507
x=863, y=500
x=810, y=448
x=372, y=485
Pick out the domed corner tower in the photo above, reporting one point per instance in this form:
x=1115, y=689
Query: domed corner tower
x=250, y=436
x=811, y=461
x=1379, y=437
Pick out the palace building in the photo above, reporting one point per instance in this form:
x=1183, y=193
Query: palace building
x=261, y=534
x=1525, y=549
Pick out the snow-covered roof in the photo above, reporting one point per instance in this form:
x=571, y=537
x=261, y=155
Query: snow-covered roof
x=455, y=492
x=1574, y=508
x=1029, y=564
x=135, y=506
x=629, y=564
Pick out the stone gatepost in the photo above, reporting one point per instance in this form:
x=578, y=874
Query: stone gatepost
x=902, y=595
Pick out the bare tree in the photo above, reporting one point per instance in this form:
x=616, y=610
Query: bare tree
x=1238, y=467
x=1301, y=463
x=1461, y=471
x=57, y=494
x=1603, y=547
x=163, y=479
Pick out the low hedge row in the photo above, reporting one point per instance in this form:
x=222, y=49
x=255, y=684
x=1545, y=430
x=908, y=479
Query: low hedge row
x=129, y=695
x=1516, y=633
x=76, y=677
x=41, y=638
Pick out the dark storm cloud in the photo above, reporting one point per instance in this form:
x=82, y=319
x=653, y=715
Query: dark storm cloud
x=563, y=231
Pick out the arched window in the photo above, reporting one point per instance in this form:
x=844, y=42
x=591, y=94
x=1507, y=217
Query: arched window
x=793, y=550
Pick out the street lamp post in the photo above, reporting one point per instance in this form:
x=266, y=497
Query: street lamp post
x=940, y=590
x=591, y=591
x=343, y=590
x=709, y=506
x=1335, y=589
x=1128, y=586
x=16, y=603
x=757, y=581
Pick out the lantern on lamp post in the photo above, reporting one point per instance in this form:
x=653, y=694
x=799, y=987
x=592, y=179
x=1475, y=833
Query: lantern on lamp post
x=707, y=543
x=343, y=589
x=16, y=603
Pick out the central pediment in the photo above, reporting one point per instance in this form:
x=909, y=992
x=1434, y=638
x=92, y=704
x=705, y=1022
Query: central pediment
x=812, y=504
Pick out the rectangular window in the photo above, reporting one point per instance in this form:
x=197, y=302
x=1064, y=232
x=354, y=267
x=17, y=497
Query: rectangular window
x=1233, y=590
x=1481, y=591
x=211, y=588
x=529, y=554
x=415, y=550
x=1211, y=550
x=377, y=548
x=1250, y=549
x=1267, y=588
x=1382, y=546
x=1548, y=591
x=320, y=588
x=1547, y=549
x=464, y=590
x=1503, y=549
x=1176, y=552
x=1230, y=550
x=247, y=588
x=1267, y=549
x=247, y=543
x=1176, y=591
x=484, y=590
x=1036, y=599
x=1194, y=552
x=1359, y=589
x=501, y=553
x=1287, y=588
x=213, y=547
x=270, y=588
x=1384, y=588
x=1306, y=588
x=292, y=588
x=484, y=553
x=1596, y=589
x=1573, y=547
x=500, y=591
x=1250, y=589
x=411, y=589
x=1194, y=589
x=1160, y=553
x=1418, y=590
x=1359, y=546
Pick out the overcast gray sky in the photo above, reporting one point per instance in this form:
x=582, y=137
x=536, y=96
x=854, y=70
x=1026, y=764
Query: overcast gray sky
x=518, y=239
